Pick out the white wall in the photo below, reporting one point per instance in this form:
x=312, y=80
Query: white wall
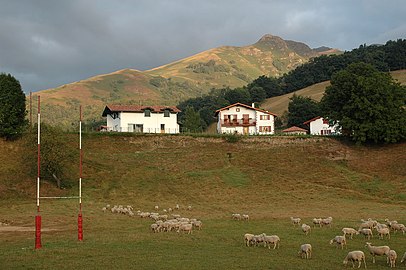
x=150, y=124
x=317, y=126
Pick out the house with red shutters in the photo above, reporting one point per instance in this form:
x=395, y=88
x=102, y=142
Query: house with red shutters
x=243, y=119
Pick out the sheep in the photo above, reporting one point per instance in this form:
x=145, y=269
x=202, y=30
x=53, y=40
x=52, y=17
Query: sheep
x=271, y=239
x=382, y=232
x=403, y=258
x=186, y=227
x=189, y=207
x=295, y=221
x=305, y=251
x=398, y=227
x=340, y=241
x=327, y=221
x=317, y=221
x=367, y=233
x=155, y=227
x=198, y=224
x=156, y=207
x=377, y=250
x=177, y=206
x=248, y=238
x=236, y=216
x=350, y=232
x=306, y=228
x=245, y=217
x=355, y=256
x=256, y=239
x=391, y=259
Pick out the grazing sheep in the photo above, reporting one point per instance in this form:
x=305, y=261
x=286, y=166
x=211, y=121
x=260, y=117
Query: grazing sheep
x=271, y=239
x=305, y=251
x=327, y=221
x=403, y=258
x=198, y=224
x=377, y=250
x=382, y=232
x=398, y=227
x=317, y=221
x=156, y=207
x=245, y=217
x=350, y=232
x=355, y=256
x=391, y=259
x=155, y=227
x=340, y=241
x=177, y=207
x=257, y=239
x=186, y=228
x=236, y=216
x=248, y=239
x=306, y=228
x=189, y=207
x=295, y=221
x=366, y=232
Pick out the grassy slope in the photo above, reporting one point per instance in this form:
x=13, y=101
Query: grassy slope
x=279, y=105
x=269, y=178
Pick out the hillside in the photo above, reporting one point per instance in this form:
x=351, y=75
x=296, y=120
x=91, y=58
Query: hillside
x=289, y=176
x=167, y=85
x=279, y=104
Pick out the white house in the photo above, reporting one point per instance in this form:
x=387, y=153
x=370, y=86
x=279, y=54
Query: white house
x=143, y=119
x=321, y=126
x=243, y=119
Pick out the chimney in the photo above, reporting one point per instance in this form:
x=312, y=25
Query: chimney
x=253, y=105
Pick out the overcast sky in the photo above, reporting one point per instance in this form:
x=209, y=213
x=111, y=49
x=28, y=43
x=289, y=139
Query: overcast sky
x=47, y=43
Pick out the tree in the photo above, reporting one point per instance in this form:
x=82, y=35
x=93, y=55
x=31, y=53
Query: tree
x=57, y=155
x=369, y=105
x=302, y=109
x=257, y=94
x=12, y=107
x=238, y=95
x=193, y=121
x=271, y=85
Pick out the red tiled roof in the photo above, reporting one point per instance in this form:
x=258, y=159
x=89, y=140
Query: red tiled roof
x=137, y=108
x=294, y=129
x=243, y=105
x=311, y=120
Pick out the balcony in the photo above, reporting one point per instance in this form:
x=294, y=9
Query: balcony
x=237, y=122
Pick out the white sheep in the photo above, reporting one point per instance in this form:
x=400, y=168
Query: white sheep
x=295, y=221
x=236, y=216
x=327, y=221
x=155, y=227
x=382, y=232
x=156, y=207
x=317, y=221
x=391, y=259
x=305, y=251
x=355, y=256
x=257, y=239
x=189, y=207
x=306, y=228
x=403, y=258
x=366, y=232
x=398, y=227
x=245, y=217
x=271, y=239
x=377, y=250
x=177, y=206
x=248, y=239
x=186, y=227
x=350, y=232
x=340, y=241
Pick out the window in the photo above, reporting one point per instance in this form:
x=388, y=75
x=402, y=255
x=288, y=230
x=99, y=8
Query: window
x=167, y=113
x=139, y=128
x=114, y=115
x=237, y=109
x=325, y=132
x=264, y=129
x=264, y=117
x=147, y=113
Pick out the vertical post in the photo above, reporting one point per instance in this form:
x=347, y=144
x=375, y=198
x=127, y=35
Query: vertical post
x=38, y=216
x=31, y=109
x=80, y=219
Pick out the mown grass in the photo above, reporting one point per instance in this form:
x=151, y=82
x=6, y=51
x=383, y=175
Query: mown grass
x=269, y=178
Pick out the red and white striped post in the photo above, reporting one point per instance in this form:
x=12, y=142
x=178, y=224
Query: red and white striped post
x=80, y=218
x=38, y=216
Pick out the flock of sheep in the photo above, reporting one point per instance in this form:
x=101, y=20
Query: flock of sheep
x=366, y=228
x=169, y=221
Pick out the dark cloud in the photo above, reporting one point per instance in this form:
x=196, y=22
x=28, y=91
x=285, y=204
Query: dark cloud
x=48, y=43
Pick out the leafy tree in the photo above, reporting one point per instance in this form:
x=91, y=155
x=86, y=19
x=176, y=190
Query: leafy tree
x=271, y=85
x=368, y=104
x=238, y=95
x=302, y=109
x=193, y=121
x=12, y=107
x=57, y=155
x=257, y=94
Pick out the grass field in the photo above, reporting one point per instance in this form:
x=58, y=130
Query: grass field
x=269, y=178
